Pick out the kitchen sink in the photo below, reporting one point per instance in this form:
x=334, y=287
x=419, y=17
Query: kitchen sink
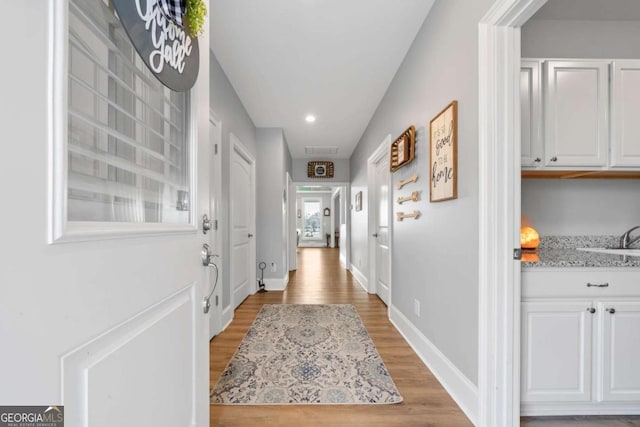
x=614, y=251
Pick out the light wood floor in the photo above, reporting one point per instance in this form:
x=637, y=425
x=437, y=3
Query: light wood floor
x=321, y=280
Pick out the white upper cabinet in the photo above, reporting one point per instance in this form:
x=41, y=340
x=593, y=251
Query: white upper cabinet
x=625, y=114
x=576, y=114
x=530, y=112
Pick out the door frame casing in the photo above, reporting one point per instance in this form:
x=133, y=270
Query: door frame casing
x=215, y=208
x=238, y=147
x=374, y=158
x=499, y=211
x=334, y=196
x=293, y=244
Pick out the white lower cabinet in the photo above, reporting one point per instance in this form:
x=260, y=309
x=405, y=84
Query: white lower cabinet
x=556, y=348
x=620, y=350
x=580, y=343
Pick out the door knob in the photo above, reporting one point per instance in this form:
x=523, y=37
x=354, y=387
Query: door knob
x=554, y=159
x=538, y=160
x=249, y=235
x=591, y=310
x=611, y=310
x=375, y=235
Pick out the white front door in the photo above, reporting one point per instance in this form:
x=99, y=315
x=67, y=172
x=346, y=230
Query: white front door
x=381, y=235
x=100, y=315
x=243, y=278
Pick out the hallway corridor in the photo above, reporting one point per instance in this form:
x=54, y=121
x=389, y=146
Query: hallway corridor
x=320, y=279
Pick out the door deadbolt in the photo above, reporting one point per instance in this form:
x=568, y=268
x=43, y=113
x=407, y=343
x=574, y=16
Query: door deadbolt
x=206, y=224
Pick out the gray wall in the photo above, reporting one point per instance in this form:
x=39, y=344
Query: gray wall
x=584, y=206
x=434, y=258
x=581, y=207
x=273, y=162
x=581, y=39
x=235, y=119
x=340, y=171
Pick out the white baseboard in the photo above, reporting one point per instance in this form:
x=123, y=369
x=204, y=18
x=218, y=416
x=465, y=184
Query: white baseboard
x=361, y=278
x=578, y=408
x=461, y=389
x=279, y=284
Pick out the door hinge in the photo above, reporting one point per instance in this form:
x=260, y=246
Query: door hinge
x=517, y=254
x=216, y=300
x=215, y=224
x=215, y=149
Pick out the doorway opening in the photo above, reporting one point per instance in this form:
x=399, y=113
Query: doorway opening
x=321, y=219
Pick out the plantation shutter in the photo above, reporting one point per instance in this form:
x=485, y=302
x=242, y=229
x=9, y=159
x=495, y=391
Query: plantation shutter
x=128, y=154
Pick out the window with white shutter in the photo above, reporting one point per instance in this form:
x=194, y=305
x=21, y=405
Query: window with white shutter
x=127, y=159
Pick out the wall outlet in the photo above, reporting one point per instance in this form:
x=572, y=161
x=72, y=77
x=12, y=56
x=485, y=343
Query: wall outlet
x=273, y=267
x=416, y=307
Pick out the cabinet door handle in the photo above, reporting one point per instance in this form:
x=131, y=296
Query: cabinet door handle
x=596, y=285
x=554, y=159
x=591, y=310
x=538, y=160
x=610, y=310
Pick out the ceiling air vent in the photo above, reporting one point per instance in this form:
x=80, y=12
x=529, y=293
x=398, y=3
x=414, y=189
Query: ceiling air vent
x=320, y=150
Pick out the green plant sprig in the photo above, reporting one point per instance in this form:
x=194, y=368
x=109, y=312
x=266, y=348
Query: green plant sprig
x=195, y=14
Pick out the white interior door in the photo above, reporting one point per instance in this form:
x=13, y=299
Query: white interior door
x=381, y=234
x=242, y=223
x=109, y=323
x=215, y=239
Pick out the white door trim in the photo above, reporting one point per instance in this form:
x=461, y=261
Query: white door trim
x=215, y=209
x=499, y=211
x=293, y=244
x=238, y=147
x=335, y=195
x=378, y=154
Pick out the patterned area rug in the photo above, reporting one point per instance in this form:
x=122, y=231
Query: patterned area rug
x=309, y=354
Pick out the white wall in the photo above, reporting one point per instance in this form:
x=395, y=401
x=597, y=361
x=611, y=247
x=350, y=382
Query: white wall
x=435, y=258
x=581, y=207
x=235, y=119
x=581, y=39
x=340, y=171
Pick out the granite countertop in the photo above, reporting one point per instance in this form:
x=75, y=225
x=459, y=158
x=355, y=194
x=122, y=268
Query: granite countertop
x=560, y=251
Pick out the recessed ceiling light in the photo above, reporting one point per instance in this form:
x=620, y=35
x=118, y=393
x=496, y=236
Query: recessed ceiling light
x=310, y=118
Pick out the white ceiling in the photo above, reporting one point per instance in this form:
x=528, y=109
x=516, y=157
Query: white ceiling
x=590, y=10
x=332, y=58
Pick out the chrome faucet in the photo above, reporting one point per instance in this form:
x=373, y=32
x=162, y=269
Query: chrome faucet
x=626, y=240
